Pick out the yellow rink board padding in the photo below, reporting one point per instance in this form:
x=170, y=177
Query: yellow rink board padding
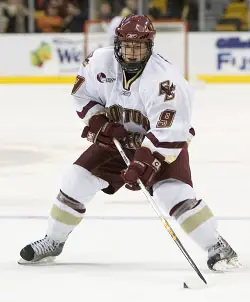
x=71, y=79
x=38, y=80
x=237, y=79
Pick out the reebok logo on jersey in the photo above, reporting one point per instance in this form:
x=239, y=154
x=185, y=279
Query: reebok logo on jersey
x=126, y=93
x=102, y=78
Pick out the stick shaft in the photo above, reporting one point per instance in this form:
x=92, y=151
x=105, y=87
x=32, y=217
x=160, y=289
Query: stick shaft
x=157, y=211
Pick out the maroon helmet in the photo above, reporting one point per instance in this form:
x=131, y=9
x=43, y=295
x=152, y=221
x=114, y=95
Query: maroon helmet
x=137, y=29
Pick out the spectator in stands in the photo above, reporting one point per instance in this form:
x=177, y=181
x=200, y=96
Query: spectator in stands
x=83, y=5
x=75, y=19
x=62, y=6
x=105, y=11
x=130, y=8
x=184, y=10
x=40, y=4
x=177, y=9
x=192, y=15
x=235, y=17
x=51, y=21
x=153, y=11
x=16, y=17
x=3, y=18
x=117, y=6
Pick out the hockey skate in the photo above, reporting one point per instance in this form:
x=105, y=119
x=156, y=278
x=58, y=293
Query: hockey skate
x=41, y=251
x=221, y=257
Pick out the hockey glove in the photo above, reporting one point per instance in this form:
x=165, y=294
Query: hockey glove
x=144, y=166
x=102, y=131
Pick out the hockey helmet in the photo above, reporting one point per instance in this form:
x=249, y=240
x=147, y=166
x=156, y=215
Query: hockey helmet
x=134, y=30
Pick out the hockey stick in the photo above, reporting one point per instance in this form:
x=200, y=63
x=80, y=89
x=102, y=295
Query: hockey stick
x=163, y=220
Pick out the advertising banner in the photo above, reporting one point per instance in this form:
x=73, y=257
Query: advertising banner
x=220, y=57
x=217, y=57
x=40, y=55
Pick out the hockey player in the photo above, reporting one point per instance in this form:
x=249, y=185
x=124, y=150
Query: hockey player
x=130, y=93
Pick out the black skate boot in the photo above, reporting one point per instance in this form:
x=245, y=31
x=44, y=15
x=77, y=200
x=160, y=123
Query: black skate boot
x=221, y=257
x=45, y=249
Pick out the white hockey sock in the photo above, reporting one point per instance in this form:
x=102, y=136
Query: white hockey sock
x=200, y=224
x=62, y=221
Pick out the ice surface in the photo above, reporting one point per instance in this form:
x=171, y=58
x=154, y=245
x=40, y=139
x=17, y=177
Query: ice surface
x=120, y=252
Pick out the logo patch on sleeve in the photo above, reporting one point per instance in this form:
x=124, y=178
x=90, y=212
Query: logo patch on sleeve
x=166, y=119
x=102, y=78
x=167, y=89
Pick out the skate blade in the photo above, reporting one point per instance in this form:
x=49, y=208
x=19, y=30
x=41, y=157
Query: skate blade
x=43, y=261
x=227, y=266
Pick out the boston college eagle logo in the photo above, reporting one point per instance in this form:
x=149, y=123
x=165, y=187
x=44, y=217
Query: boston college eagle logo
x=167, y=89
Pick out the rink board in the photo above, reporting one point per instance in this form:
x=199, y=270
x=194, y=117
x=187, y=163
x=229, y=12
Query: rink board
x=216, y=57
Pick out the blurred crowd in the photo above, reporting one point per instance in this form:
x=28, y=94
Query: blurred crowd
x=70, y=15
x=235, y=17
x=49, y=15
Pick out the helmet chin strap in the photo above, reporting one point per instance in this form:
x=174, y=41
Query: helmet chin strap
x=132, y=67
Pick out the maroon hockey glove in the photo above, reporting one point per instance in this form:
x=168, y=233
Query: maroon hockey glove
x=102, y=131
x=144, y=166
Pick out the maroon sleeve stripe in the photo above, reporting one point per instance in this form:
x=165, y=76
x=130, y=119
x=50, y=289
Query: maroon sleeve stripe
x=170, y=145
x=86, y=108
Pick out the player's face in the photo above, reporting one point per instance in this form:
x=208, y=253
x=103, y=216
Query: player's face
x=134, y=51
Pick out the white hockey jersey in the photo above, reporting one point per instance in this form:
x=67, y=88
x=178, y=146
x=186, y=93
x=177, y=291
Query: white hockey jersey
x=156, y=102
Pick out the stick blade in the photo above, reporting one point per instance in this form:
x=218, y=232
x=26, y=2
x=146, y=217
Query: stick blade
x=195, y=284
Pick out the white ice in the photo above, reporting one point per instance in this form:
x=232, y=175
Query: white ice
x=121, y=252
